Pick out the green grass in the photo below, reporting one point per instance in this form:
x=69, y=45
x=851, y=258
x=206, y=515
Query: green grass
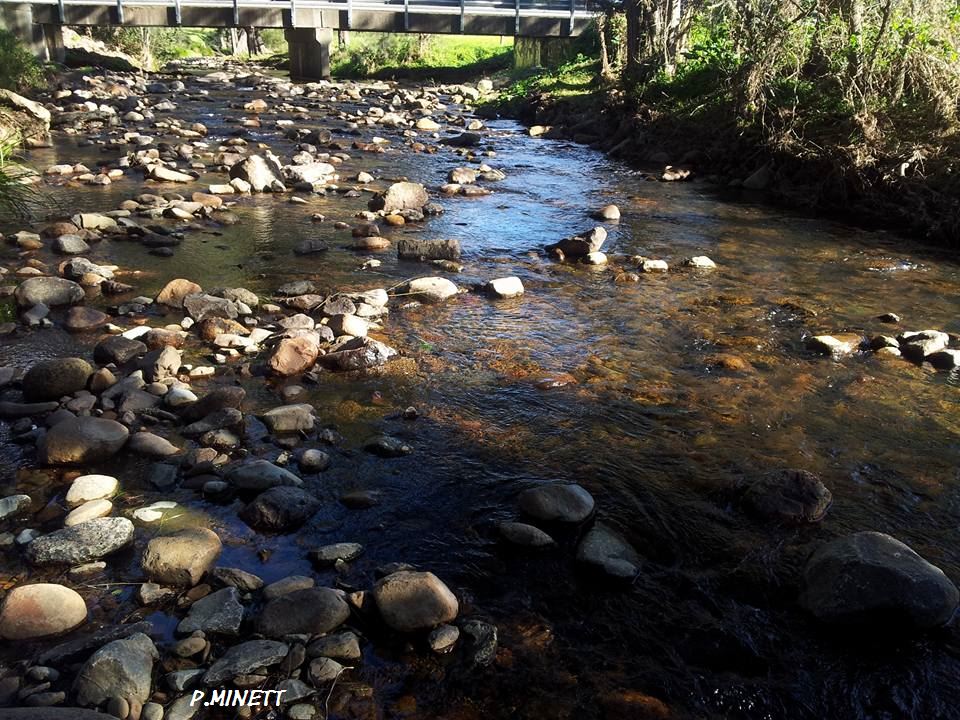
x=390, y=55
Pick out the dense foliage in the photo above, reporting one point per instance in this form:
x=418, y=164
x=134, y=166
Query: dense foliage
x=19, y=69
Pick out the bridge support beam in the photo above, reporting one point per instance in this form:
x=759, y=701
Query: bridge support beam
x=18, y=19
x=531, y=52
x=309, y=52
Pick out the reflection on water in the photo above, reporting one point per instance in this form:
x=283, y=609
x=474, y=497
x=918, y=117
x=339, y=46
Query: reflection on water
x=685, y=385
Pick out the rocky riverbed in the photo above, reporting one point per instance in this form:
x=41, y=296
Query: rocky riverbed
x=339, y=390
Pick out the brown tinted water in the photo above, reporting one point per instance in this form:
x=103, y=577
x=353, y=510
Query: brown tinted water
x=685, y=386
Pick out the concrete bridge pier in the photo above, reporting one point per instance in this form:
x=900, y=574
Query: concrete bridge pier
x=548, y=52
x=309, y=52
x=18, y=19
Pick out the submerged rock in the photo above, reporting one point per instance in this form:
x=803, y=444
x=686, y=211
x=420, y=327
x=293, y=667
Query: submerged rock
x=280, y=508
x=245, y=658
x=606, y=550
x=789, y=496
x=569, y=503
x=872, y=579
x=219, y=612
x=54, y=378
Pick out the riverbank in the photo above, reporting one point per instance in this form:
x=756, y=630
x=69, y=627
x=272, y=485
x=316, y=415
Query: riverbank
x=904, y=184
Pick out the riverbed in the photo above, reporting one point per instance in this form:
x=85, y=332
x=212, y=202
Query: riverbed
x=663, y=395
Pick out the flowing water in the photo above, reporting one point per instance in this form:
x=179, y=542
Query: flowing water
x=679, y=389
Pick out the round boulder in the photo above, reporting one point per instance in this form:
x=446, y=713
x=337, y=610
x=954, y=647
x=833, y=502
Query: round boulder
x=54, y=378
x=51, y=291
x=41, y=610
x=310, y=611
x=409, y=601
x=83, y=440
x=873, y=579
x=568, y=503
x=792, y=497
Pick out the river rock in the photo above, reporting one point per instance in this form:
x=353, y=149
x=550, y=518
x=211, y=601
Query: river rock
x=280, y=508
x=261, y=475
x=242, y=580
x=70, y=245
x=219, y=612
x=700, y=262
x=568, y=503
x=409, y=601
x=918, y=345
x=289, y=584
x=789, y=496
x=174, y=292
x=81, y=543
x=39, y=611
x=608, y=213
x=49, y=291
x=338, y=552
x=204, y=305
x=312, y=611
x=606, y=550
x=118, y=350
x=54, y=378
x=358, y=354
x=872, y=579
x=481, y=642
x=88, y=511
x=13, y=505
x=150, y=445
x=91, y=487
x=580, y=245
x=83, y=440
x=313, y=461
x=289, y=418
x=443, y=638
x=428, y=250
x=245, y=658
x=944, y=359
x=834, y=345
x=122, y=668
x=310, y=173
x=506, y=287
x=293, y=356
x=343, y=646
x=221, y=398
x=255, y=171
x=81, y=318
x=161, y=364
x=430, y=289
x=182, y=558
x=400, y=196
x=524, y=535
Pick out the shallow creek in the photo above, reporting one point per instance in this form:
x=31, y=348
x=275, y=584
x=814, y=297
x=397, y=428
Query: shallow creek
x=677, y=390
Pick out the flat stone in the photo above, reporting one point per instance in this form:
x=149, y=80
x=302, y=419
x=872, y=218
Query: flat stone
x=122, y=668
x=219, y=612
x=261, y=475
x=313, y=611
x=344, y=647
x=331, y=554
x=244, y=581
x=88, y=511
x=81, y=543
x=245, y=658
x=606, y=550
x=91, y=487
x=83, y=440
x=288, y=585
x=792, y=497
x=524, y=535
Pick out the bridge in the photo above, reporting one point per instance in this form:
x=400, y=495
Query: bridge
x=308, y=24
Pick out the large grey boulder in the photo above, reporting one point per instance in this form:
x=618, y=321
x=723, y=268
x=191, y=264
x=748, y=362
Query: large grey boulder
x=256, y=171
x=181, y=558
x=361, y=353
x=83, y=440
x=580, y=245
x=118, y=350
x=873, y=579
x=280, y=509
x=50, y=291
x=83, y=543
x=400, y=196
x=426, y=250
x=430, y=289
x=312, y=611
x=409, y=601
x=54, y=378
x=245, y=658
x=122, y=668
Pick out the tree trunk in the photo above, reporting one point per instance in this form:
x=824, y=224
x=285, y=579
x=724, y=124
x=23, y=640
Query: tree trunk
x=605, y=72
x=254, y=42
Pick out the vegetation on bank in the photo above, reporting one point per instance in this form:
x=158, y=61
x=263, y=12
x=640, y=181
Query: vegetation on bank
x=399, y=55
x=19, y=69
x=861, y=95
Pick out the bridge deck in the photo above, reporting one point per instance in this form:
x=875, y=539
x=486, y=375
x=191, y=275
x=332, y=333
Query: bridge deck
x=529, y=18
